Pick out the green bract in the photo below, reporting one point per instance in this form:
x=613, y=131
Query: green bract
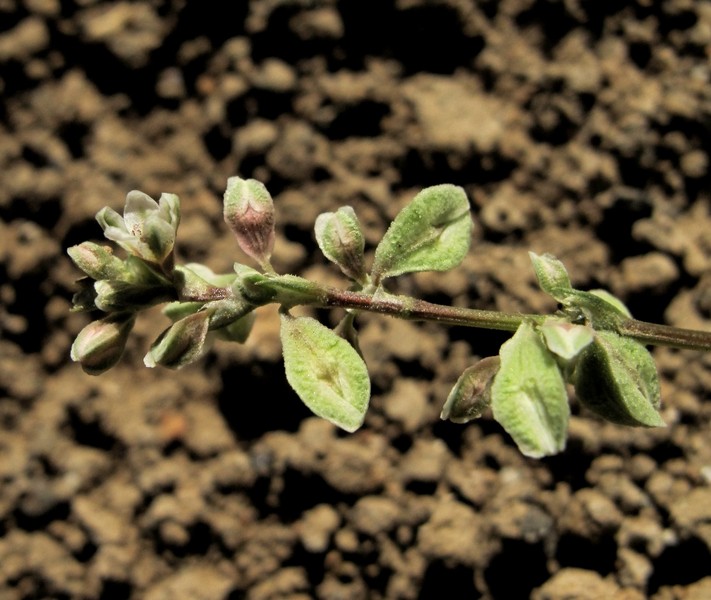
x=528, y=395
x=598, y=308
x=325, y=371
x=98, y=262
x=432, y=233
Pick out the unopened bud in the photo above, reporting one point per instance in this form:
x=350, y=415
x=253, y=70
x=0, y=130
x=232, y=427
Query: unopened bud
x=99, y=346
x=551, y=274
x=340, y=238
x=98, y=262
x=116, y=296
x=249, y=212
x=180, y=344
x=616, y=378
x=471, y=395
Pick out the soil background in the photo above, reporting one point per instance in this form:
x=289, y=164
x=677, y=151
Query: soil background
x=577, y=127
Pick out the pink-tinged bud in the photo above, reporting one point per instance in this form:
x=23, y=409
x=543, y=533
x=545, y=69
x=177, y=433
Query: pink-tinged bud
x=471, y=395
x=98, y=262
x=180, y=344
x=99, y=346
x=249, y=212
x=341, y=241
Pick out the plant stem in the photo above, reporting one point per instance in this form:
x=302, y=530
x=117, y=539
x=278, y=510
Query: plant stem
x=405, y=307
x=665, y=335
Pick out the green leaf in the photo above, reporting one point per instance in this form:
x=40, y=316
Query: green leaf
x=616, y=378
x=432, y=233
x=325, y=371
x=528, y=396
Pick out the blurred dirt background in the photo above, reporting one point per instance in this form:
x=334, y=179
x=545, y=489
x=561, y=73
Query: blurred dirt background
x=577, y=127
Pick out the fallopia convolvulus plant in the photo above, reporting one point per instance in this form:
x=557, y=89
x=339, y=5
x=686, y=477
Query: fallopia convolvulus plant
x=591, y=342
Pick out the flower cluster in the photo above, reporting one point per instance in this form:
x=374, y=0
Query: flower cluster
x=201, y=304
x=121, y=287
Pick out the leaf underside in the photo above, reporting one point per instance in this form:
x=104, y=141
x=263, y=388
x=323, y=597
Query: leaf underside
x=528, y=396
x=325, y=371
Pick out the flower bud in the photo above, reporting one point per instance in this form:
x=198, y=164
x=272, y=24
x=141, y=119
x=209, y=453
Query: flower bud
x=471, y=395
x=115, y=296
x=551, y=274
x=98, y=262
x=340, y=238
x=249, y=212
x=99, y=346
x=616, y=378
x=180, y=344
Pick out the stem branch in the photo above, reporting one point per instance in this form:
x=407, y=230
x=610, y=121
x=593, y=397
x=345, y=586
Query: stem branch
x=420, y=310
x=665, y=335
x=405, y=307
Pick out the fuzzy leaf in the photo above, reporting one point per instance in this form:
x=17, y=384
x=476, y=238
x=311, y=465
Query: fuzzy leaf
x=528, y=396
x=616, y=378
x=432, y=233
x=325, y=371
